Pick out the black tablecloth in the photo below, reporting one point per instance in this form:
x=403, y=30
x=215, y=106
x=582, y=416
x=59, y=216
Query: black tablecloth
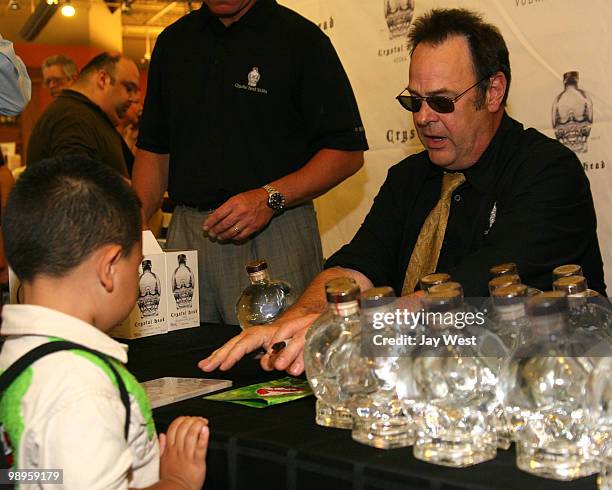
x=281, y=447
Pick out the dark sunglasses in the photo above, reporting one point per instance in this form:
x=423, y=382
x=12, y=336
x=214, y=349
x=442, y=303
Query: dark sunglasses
x=438, y=103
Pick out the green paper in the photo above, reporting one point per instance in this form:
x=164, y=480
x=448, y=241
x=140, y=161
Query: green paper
x=264, y=395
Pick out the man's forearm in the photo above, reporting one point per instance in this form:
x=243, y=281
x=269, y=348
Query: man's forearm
x=150, y=180
x=326, y=169
x=313, y=298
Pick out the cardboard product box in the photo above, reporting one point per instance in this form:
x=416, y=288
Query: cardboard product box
x=184, y=294
x=157, y=310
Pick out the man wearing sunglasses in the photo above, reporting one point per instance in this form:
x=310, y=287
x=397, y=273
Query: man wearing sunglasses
x=485, y=191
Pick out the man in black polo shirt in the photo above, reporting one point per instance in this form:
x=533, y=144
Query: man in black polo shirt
x=82, y=119
x=249, y=115
x=521, y=196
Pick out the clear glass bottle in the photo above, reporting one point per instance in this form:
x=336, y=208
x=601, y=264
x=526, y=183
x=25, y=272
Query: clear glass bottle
x=508, y=319
x=572, y=114
x=182, y=283
x=544, y=387
x=326, y=351
x=377, y=374
x=455, y=383
x=599, y=403
x=588, y=310
x=433, y=279
x=264, y=299
x=150, y=290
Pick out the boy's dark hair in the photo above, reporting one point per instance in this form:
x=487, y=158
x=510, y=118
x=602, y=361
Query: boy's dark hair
x=63, y=209
x=487, y=46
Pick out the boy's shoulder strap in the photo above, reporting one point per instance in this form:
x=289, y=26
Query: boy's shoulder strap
x=15, y=369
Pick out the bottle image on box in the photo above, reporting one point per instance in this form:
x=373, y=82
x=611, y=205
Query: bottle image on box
x=150, y=290
x=182, y=283
x=572, y=114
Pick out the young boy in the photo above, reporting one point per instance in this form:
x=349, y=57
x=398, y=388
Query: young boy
x=72, y=235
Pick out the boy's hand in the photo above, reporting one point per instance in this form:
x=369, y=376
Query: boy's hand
x=183, y=452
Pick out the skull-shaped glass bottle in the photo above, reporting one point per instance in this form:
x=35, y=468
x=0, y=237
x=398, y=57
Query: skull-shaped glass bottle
x=182, y=283
x=377, y=375
x=150, y=290
x=599, y=403
x=456, y=384
x=326, y=349
x=264, y=299
x=572, y=114
x=544, y=387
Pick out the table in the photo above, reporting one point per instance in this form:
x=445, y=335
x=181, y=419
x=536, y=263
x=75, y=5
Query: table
x=281, y=447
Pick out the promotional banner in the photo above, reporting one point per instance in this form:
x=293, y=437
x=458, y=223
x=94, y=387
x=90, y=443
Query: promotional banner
x=561, y=60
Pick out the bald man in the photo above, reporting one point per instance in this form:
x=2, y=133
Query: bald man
x=82, y=119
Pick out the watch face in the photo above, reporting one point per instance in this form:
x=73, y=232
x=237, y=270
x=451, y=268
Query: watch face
x=276, y=201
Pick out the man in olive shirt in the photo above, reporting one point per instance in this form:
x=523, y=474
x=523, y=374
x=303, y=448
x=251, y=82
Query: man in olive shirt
x=82, y=119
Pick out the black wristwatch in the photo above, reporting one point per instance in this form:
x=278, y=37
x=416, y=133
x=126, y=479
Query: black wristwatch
x=276, y=200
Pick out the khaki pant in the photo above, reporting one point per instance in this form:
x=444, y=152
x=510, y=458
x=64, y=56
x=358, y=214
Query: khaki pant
x=290, y=243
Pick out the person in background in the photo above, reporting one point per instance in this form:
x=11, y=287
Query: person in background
x=73, y=238
x=248, y=116
x=484, y=191
x=129, y=125
x=15, y=84
x=82, y=119
x=59, y=72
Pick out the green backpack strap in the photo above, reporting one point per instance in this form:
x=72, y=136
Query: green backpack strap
x=15, y=369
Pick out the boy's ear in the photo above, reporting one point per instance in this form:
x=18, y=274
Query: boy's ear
x=107, y=258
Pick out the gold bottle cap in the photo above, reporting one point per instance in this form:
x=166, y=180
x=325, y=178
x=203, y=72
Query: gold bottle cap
x=502, y=281
x=566, y=270
x=512, y=294
x=256, y=266
x=503, y=269
x=571, y=284
x=341, y=290
x=433, y=279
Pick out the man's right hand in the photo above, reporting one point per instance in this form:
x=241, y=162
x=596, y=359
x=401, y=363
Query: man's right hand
x=290, y=358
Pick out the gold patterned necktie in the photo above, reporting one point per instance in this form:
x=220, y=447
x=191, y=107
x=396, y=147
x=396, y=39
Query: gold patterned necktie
x=426, y=251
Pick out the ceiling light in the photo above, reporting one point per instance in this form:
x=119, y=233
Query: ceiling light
x=52, y=2
x=14, y=5
x=126, y=7
x=68, y=10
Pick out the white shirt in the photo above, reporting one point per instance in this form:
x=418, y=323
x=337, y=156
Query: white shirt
x=72, y=414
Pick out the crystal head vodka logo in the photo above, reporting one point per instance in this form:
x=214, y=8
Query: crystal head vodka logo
x=399, y=15
x=572, y=114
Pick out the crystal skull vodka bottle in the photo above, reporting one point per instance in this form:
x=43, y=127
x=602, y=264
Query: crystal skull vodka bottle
x=456, y=385
x=326, y=351
x=599, y=404
x=150, y=290
x=508, y=321
x=544, y=387
x=377, y=374
x=264, y=299
x=572, y=114
x=182, y=283
x=588, y=310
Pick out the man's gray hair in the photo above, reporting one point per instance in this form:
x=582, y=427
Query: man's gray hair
x=67, y=64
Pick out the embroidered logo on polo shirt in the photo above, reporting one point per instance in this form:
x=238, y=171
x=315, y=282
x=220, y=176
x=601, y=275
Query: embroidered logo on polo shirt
x=252, y=80
x=254, y=77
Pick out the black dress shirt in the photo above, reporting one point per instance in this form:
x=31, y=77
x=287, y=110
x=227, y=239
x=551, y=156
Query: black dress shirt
x=527, y=200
